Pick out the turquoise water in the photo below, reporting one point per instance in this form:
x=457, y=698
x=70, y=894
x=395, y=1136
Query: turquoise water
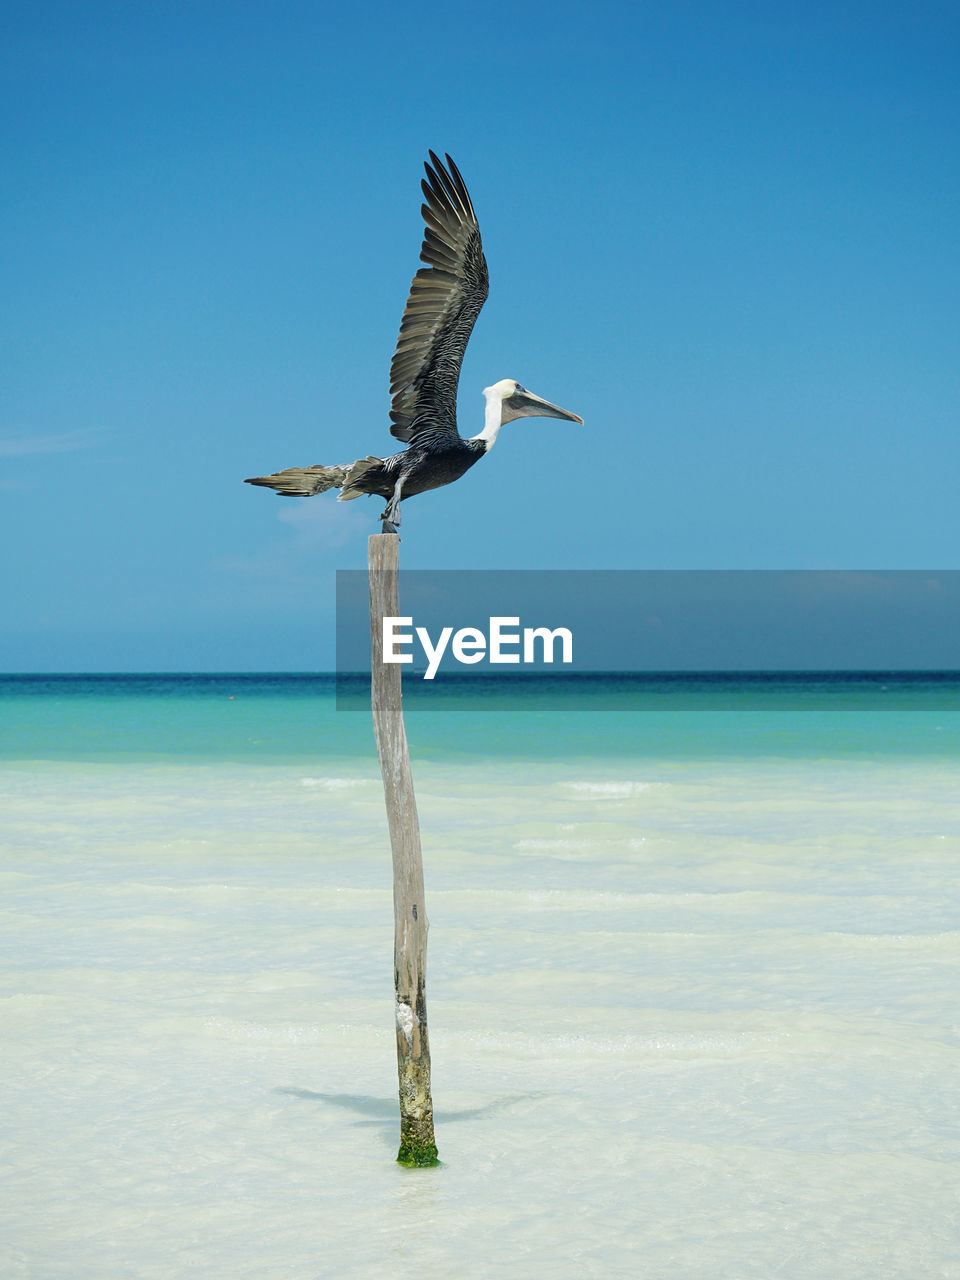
x=692, y=986
x=289, y=718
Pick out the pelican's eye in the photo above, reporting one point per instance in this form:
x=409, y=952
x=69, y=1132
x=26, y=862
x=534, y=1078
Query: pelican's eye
x=519, y=388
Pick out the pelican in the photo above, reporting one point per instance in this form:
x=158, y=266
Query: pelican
x=445, y=299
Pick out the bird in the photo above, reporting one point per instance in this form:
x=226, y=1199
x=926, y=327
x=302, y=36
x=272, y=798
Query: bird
x=445, y=298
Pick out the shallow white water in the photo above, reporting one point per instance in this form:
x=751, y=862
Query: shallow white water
x=687, y=1020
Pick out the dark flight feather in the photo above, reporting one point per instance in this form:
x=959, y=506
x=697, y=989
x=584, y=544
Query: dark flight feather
x=445, y=299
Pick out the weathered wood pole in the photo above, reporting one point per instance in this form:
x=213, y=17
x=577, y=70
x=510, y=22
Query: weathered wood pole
x=417, y=1143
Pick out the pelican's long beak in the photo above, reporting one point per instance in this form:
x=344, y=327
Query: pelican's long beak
x=524, y=404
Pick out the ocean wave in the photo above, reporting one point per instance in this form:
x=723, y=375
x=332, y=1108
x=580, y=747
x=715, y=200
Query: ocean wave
x=334, y=784
x=261, y=1033
x=731, y=1044
x=609, y=790
x=552, y=844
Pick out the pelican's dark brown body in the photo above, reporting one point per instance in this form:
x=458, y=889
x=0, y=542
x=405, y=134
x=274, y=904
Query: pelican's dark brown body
x=422, y=468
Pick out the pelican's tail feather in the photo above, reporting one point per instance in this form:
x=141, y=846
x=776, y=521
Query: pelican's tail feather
x=303, y=482
x=352, y=484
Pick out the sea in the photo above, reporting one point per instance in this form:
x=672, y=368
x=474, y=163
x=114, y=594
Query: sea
x=692, y=982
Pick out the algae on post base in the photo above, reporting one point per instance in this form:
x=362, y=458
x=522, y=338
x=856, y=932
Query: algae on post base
x=418, y=1150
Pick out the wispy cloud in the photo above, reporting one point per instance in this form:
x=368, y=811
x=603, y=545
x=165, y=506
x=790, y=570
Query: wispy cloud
x=22, y=444
x=328, y=522
x=318, y=526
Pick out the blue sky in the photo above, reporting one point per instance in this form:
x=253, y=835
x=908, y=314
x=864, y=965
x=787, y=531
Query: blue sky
x=723, y=233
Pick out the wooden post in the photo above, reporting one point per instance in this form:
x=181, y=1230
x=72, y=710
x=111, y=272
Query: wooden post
x=417, y=1143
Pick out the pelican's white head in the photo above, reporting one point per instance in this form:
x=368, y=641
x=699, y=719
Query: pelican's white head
x=507, y=400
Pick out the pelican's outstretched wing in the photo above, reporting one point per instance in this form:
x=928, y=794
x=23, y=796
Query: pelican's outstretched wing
x=445, y=299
